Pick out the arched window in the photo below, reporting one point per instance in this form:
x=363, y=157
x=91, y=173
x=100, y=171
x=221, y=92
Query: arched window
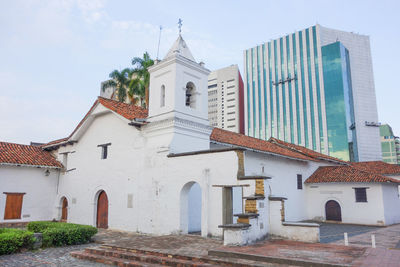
x=162, y=100
x=190, y=95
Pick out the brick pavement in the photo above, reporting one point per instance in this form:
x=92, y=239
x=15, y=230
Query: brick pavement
x=189, y=245
x=196, y=246
x=381, y=257
x=300, y=251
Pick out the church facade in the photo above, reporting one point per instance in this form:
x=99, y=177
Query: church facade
x=166, y=171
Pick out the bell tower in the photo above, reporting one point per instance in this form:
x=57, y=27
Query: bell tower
x=179, y=99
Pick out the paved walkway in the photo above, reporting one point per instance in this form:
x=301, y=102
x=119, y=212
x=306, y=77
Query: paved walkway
x=385, y=237
x=332, y=232
x=189, y=245
x=48, y=257
x=196, y=246
x=299, y=251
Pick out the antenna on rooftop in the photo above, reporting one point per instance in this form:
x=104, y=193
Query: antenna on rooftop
x=159, y=40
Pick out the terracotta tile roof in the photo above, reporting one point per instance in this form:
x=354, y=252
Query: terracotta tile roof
x=346, y=174
x=305, y=151
x=26, y=155
x=378, y=167
x=55, y=142
x=236, y=139
x=127, y=111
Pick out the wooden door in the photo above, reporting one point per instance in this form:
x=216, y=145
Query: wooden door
x=333, y=211
x=102, y=211
x=13, y=206
x=64, y=211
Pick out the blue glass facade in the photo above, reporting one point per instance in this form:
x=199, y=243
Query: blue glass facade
x=339, y=101
x=306, y=91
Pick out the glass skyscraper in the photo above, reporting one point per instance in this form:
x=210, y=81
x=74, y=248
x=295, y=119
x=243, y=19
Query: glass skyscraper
x=390, y=145
x=314, y=88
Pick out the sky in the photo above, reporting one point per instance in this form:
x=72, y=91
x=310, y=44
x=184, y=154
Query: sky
x=55, y=53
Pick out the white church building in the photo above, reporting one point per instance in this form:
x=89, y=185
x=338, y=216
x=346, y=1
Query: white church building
x=166, y=171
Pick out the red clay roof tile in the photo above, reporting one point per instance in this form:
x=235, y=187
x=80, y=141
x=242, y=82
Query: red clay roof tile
x=378, y=167
x=127, y=111
x=227, y=137
x=305, y=151
x=346, y=174
x=11, y=153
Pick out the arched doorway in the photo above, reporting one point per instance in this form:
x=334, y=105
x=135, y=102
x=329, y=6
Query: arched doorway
x=64, y=209
x=333, y=211
x=102, y=210
x=191, y=208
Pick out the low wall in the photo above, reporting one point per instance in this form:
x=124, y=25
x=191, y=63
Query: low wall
x=244, y=236
x=306, y=232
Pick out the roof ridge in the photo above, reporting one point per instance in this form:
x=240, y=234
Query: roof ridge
x=12, y=143
x=273, y=140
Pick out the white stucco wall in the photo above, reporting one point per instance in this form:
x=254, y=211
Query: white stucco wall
x=305, y=232
x=138, y=166
x=283, y=182
x=370, y=212
x=391, y=201
x=40, y=191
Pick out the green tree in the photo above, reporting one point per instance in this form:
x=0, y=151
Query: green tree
x=136, y=91
x=140, y=84
x=120, y=80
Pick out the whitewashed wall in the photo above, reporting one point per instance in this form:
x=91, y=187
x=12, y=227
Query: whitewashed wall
x=284, y=180
x=370, y=212
x=391, y=201
x=138, y=166
x=37, y=203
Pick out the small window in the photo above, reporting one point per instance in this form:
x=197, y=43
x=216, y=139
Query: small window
x=104, y=150
x=162, y=101
x=299, y=181
x=361, y=194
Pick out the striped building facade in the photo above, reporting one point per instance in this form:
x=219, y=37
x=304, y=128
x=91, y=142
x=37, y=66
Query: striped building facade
x=312, y=88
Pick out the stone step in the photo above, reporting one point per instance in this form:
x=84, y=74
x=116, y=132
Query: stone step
x=247, y=215
x=239, y=226
x=255, y=197
x=201, y=260
x=83, y=255
x=138, y=257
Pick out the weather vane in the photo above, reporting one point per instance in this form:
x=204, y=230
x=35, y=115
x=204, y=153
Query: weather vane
x=180, y=26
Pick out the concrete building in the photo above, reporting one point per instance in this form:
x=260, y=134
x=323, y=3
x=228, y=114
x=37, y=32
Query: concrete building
x=314, y=88
x=226, y=99
x=390, y=145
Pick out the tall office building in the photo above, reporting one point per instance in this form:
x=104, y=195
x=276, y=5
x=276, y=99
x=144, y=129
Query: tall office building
x=314, y=88
x=225, y=99
x=390, y=145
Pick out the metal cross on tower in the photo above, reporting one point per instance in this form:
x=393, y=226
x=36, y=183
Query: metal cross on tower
x=180, y=25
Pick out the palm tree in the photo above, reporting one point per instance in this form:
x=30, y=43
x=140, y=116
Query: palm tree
x=120, y=81
x=140, y=69
x=136, y=90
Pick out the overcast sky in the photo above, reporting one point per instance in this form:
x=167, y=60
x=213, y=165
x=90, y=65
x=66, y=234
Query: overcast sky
x=55, y=53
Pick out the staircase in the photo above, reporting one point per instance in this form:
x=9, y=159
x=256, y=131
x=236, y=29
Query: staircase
x=128, y=257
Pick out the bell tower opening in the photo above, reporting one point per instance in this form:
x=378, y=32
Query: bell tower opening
x=190, y=95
